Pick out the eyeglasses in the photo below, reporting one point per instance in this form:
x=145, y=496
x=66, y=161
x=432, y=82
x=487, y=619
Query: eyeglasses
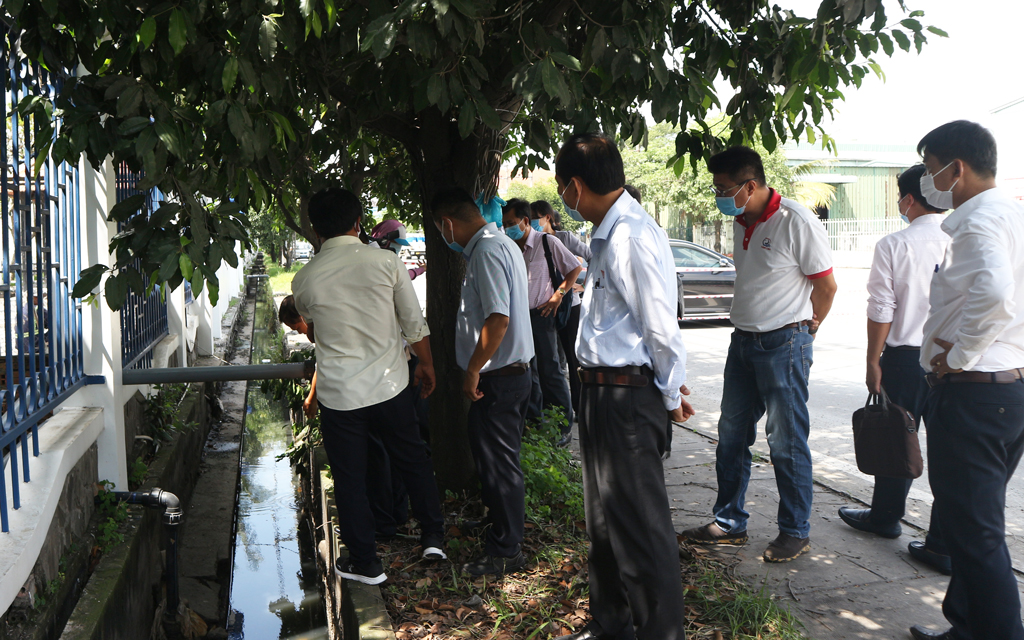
x=721, y=193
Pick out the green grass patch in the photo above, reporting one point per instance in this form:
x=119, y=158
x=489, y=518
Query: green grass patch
x=281, y=278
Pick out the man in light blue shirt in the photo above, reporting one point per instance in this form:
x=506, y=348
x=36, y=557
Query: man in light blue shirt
x=632, y=369
x=494, y=345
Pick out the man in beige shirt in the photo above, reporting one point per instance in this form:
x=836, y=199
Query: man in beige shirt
x=363, y=305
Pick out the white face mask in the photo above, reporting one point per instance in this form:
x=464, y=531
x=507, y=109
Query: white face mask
x=903, y=216
x=934, y=197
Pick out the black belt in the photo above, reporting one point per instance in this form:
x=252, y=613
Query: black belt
x=630, y=376
x=754, y=334
x=905, y=347
x=515, y=369
x=984, y=377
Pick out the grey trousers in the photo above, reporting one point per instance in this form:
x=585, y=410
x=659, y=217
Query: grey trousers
x=550, y=385
x=635, y=580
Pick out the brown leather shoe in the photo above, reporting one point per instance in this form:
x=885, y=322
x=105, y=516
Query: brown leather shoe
x=785, y=548
x=711, y=533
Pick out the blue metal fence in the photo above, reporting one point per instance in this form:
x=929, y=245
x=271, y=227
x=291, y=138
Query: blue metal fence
x=41, y=359
x=143, y=318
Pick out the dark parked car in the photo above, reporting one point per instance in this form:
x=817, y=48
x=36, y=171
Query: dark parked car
x=706, y=280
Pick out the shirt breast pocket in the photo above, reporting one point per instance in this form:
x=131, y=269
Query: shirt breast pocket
x=598, y=305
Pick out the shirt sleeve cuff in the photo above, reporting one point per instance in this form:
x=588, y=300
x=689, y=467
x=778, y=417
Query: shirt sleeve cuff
x=880, y=314
x=422, y=332
x=957, y=359
x=820, y=274
x=673, y=402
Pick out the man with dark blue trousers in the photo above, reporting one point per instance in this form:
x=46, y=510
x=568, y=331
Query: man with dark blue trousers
x=974, y=347
x=901, y=274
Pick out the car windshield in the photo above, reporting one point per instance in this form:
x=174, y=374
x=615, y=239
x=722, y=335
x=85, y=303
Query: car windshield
x=689, y=257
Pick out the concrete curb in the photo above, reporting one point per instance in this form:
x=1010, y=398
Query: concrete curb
x=359, y=607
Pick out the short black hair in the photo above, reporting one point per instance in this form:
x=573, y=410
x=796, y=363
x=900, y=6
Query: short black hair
x=593, y=158
x=334, y=212
x=962, y=140
x=520, y=208
x=454, y=202
x=288, y=313
x=739, y=163
x=910, y=184
x=633, y=191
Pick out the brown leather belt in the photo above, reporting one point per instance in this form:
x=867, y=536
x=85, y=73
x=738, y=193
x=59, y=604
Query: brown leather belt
x=986, y=377
x=754, y=334
x=631, y=376
x=515, y=369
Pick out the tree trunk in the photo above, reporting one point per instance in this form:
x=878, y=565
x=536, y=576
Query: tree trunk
x=718, y=235
x=443, y=159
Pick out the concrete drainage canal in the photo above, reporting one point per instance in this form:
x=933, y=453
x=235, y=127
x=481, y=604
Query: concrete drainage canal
x=274, y=585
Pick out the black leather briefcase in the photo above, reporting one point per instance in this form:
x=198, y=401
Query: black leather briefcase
x=885, y=439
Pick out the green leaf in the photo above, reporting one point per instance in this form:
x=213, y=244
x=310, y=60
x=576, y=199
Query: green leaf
x=197, y=281
x=435, y=86
x=467, y=119
x=554, y=83
x=185, y=266
x=567, y=60
x=939, y=32
x=788, y=96
x=213, y=291
x=168, y=134
x=306, y=7
x=14, y=6
x=50, y=7
x=115, y=290
x=88, y=280
x=133, y=125
x=597, y=49
x=440, y=6
x=467, y=8
x=126, y=208
x=147, y=32
x=177, y=34
x=129, y=101
x=887, y=45
x=911, y=24
x=230, y=74
x=489, y=115
x=268, y=38
x=901, y=39
x=659, y=68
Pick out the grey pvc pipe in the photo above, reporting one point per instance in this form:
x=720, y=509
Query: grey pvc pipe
x=173, y=375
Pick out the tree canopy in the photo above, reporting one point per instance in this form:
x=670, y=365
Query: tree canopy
x=230, y=105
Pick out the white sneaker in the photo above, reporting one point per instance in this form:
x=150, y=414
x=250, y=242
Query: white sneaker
x=366, y=575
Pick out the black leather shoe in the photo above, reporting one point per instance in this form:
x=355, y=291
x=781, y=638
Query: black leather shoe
x=860, y=519
x=586, y=634
x=495, y=565
x=920, y=633
x=920, y=552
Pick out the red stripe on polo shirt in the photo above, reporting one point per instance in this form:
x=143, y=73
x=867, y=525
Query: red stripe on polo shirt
x=820, y=275
x=774, y=200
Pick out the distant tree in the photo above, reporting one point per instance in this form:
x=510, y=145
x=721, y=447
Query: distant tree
x=239, y=102
x=545, y=190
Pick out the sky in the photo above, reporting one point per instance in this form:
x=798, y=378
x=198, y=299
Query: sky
x=966, y=76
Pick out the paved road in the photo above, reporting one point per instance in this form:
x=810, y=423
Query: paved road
x=836, y=390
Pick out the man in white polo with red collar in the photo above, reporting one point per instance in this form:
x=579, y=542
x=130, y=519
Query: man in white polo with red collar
x=784, y=290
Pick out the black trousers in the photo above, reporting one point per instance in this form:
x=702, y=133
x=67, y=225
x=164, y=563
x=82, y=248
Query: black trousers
x=346, y=436
x=975, y=440
x=567, y=338
x=388, y=498
x=495, y=437
x=904, y=382
x=635, y=578
x=550, y=388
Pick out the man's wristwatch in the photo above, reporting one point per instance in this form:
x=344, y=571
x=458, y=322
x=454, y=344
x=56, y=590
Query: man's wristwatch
x=561, y=290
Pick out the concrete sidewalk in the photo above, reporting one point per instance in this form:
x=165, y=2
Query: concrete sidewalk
x=850, y=585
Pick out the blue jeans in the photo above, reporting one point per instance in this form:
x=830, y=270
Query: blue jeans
x=766, y=372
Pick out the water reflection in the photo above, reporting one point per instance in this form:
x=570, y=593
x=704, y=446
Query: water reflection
x=274, y=586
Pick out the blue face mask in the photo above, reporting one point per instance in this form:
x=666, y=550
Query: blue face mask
x=454, y=246
x=573, y=213
x=727, y=204
x=514, y=232
x=903, y=216
x=536, y=225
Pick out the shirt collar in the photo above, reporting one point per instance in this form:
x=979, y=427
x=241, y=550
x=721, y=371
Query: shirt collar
x=955, y=219
x=338, y=241
x=774, y=201
x=489, y=228
x=621, y=205
x=532, y=239
x=929, y=218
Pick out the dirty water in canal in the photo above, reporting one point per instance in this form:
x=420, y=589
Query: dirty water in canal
x=275, y=590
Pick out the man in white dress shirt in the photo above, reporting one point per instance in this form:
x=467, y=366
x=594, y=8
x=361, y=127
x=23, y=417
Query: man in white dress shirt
x=363, y=304
x=633, y=370
x=974, y=347
x=901, y=274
